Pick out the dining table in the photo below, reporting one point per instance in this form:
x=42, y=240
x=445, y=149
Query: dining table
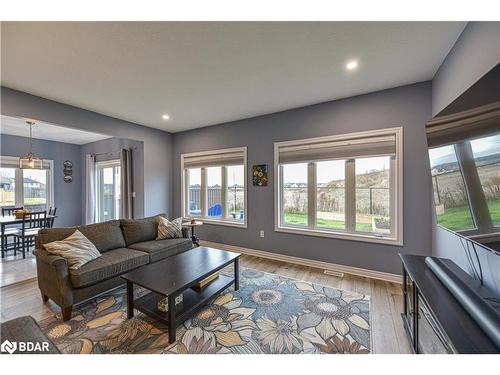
x=12, y=220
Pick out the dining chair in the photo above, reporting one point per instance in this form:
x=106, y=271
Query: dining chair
x=32, y=223
x=52, y=214
x=8, y=232
x=9, y=211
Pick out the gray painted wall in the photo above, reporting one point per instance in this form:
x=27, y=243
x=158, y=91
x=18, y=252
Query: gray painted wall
x=408, y=106
x=476, y=52
x=67, y=196
x=157, y=143
x=108, y=149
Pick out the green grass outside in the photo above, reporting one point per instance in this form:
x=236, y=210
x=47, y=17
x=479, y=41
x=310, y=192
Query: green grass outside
x=301, y=219
x=494, y=208
x=459, y=218
x=34, y=201
x=455, y=218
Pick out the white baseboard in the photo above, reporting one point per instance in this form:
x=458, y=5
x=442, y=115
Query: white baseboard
x=390, y=277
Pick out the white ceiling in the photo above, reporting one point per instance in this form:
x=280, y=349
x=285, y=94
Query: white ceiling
x=212, y=72
x=41, y=130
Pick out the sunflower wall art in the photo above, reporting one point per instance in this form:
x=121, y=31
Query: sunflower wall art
x=259, y=175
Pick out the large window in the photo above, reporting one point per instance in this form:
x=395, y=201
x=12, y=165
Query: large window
x=108, y=190
x=214, y=188
x=28, y=188
x=466, y=182
x=347, y=186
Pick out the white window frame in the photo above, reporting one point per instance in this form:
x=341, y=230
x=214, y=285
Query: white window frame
x=396, y=187
x=13, y=162
x=224, y=220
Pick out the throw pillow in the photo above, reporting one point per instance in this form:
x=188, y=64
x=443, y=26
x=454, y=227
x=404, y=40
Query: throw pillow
x=76, y=249
x=169, y=229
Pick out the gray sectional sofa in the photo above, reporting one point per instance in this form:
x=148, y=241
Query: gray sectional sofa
x=124, y=245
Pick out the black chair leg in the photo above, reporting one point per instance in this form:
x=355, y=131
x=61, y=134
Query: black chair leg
x=24, y=248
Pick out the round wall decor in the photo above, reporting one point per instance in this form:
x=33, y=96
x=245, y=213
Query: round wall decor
x=68, y=171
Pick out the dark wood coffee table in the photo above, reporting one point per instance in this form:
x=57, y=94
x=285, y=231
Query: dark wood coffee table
x=176, y=275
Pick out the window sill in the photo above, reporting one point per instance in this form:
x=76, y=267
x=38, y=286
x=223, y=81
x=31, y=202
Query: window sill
x=342, y=236
x=227, y=223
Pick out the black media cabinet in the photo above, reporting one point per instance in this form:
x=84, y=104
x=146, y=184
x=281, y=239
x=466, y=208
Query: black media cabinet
x=441, y=324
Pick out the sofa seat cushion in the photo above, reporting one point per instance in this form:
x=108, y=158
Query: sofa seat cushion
x=162, y=249
x=110, y=264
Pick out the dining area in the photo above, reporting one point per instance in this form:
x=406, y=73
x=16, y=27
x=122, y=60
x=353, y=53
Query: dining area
x=19, y=227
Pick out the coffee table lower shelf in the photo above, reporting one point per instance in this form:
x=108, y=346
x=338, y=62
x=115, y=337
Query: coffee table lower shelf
x=193, y=299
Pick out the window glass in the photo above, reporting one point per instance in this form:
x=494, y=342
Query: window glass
x=108, y=191
x=295, y=194
x=450, y=194
x=194, y=192
x=373, y=194
x=235, y=194
x=487, y=158
x=330, y=200
x=7, y=187
x=35, y=189
x=214, y=183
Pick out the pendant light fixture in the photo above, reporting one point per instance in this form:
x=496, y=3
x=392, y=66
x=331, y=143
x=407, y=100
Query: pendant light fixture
x=30, y=161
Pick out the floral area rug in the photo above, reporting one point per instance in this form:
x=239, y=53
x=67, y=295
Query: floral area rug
x=269, y=314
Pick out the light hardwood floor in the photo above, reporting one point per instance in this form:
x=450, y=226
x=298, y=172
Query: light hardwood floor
x=386, y=300
x=14, y=268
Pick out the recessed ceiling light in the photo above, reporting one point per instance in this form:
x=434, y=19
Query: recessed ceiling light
x=351, y=65
x=165, y=117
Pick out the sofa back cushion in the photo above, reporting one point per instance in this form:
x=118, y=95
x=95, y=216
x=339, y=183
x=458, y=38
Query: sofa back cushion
x=53, y=234
x=105, y=236
x=140, y=230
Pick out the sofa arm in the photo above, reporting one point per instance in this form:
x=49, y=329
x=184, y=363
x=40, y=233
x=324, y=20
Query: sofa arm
x=53, y=277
